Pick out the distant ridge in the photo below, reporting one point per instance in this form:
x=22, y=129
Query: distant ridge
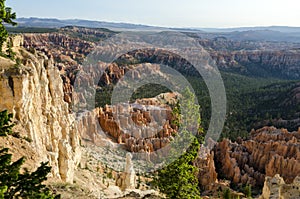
x=284, y=29
x=271, y=33
x=57, y=23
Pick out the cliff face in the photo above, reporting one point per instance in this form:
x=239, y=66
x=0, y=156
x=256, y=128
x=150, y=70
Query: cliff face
x=33, y=91
x=283, y=64
x=65, y=50
x=257, y=58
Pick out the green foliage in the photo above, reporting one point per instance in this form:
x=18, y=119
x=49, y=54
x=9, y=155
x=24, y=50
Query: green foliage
x=227, y=194
x=253, y=100
x=5, y=123
x=189, y=112
x=14, y=184
x=18, y=63
x=176, y=115
x=28, y=139
x=10, y=53
x=3, y=189
x=148, y=91
x=6, y=16
x=109, y=174
x=248, y=191
x=179, y=178
x=103, y=96
x=250, y=100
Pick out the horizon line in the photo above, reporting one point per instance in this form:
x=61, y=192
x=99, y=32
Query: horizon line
x=158, y=26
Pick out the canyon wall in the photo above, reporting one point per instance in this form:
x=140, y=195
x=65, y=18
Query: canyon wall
x=33, y=91
x=283, y=64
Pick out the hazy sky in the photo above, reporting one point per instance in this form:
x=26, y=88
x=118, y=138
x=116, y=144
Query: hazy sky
x=168, y=13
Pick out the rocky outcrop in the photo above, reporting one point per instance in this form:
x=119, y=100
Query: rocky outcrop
x=159, y=56
x=144, y=126
x=126, y=180
x=257, y=61
x=69, y=47
x=33, y=91
x=62, y=47
x=68, y=52
x=150, y=194
x=267, y=152
x=13, y=41
x=277, y=188
x=254, y=56
x=207, y=175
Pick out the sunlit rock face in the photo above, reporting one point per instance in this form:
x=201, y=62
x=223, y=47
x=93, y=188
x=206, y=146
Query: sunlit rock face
x=126, y=180
x=33, y=91
x=268, y=151
x=277, y=188
x=207, y=175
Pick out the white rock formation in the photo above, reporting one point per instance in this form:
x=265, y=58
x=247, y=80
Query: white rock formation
x=126, y=180
x=276, y=188
x=34, y=93
x=129, y=171
x=15, y=40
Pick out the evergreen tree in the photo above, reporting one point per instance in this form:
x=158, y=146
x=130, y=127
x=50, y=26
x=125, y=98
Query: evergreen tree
x=227, y=194
x=6, y=16
x=5, y=123
x=248, y=191
x=14, y=184
x=179, y=178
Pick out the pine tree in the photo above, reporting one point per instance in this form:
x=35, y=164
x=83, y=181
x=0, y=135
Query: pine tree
x=227, y=194
x=179, y=178
x=5, y=123
x=248, y=191
x=6, y=16
x=14, y=184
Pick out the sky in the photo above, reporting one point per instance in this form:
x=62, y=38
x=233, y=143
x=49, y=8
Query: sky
x=167, y=13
